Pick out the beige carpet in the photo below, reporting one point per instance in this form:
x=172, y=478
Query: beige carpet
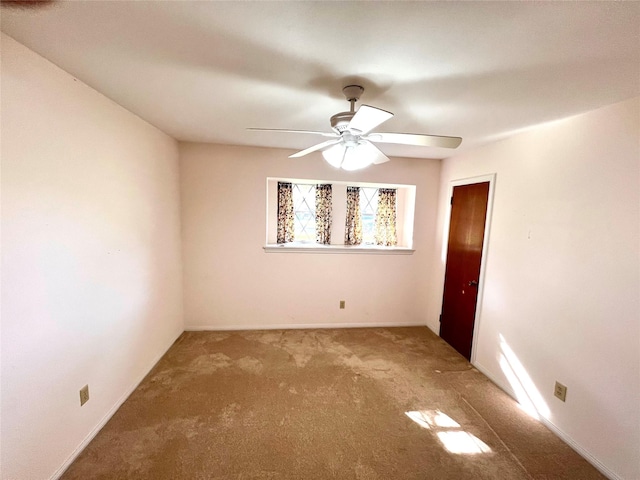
x=382, y=403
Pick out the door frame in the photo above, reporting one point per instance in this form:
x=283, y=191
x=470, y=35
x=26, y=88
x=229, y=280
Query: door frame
x=491, y=178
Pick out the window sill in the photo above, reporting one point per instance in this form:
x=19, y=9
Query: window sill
x=351, y=249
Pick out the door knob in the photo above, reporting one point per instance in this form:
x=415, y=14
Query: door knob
x=473, y=283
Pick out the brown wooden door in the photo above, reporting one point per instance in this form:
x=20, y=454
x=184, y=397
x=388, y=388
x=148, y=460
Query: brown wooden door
x=462, y=274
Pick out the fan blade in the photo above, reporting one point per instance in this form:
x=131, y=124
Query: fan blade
x=373, y=152
x=367, y=118
x=315, y=148
x=415, y=139
x=280, y=130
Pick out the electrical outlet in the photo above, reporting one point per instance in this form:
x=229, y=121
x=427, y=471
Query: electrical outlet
x=84, y=395
x=342, y=304
x=560, y=391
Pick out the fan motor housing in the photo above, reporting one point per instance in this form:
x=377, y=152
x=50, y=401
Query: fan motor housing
x=340, y=121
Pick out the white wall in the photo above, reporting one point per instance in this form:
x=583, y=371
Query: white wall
x=91, y=269
x=562, y=281
x=230, y=282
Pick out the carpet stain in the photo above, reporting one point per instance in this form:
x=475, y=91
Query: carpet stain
x=250, y=365
x=228, y=415
x=207, y=364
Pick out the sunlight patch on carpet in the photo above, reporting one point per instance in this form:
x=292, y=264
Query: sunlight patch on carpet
x=449, y=432
x=432, y=418
x=463, y=443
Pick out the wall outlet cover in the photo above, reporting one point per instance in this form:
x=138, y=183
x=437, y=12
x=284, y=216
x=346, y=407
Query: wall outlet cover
x=560, y=391
x=84, y=395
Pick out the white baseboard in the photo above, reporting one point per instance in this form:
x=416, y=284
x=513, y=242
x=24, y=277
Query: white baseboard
x=58, y=473
x=298, y=326
x=561, y=434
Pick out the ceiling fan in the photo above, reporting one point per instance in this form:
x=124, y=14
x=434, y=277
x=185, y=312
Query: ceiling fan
x=351, y=145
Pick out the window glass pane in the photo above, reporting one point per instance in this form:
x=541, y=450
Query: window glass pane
x=304, y=212
x=368, y=208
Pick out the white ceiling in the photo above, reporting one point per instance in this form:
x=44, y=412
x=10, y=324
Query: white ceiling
x=205, y=71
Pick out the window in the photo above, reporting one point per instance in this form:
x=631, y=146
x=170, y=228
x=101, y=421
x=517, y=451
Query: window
x=368, y=210
x=304, y=212
x=386, y=225
x=371, y=216
x=316, y=213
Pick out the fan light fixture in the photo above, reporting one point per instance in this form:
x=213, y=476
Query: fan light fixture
x=350, y=157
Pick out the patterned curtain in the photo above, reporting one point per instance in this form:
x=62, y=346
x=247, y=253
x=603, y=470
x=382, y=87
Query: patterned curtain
x=386, y=218
x=285, y=213
x=353, y=226
x=323, y=214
